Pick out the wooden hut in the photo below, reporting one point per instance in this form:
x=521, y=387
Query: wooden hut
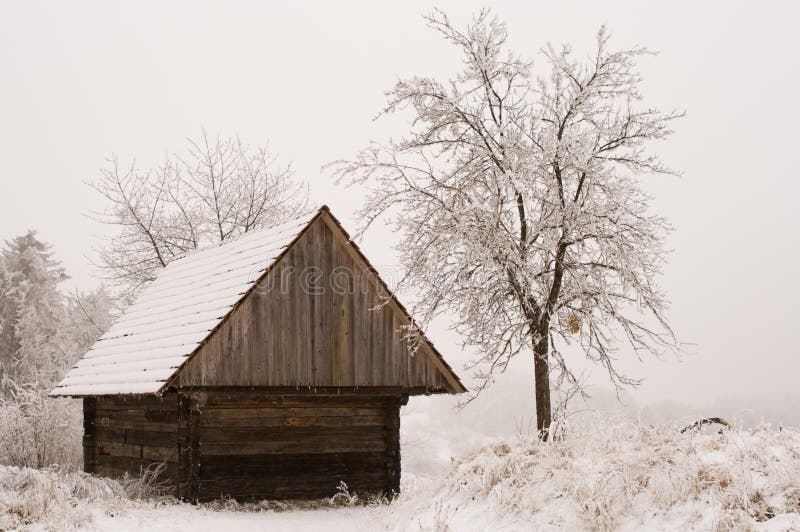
x=271, y=366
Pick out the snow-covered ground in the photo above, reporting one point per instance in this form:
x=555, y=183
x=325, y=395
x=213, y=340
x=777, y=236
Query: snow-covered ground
x=606, y=474
x=199, y=519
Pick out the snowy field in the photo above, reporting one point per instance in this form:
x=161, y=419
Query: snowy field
x=606, y=474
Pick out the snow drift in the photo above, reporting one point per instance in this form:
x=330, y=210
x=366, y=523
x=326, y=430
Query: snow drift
x=621, y=476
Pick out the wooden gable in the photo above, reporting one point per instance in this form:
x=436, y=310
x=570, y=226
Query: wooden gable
x=320, y=317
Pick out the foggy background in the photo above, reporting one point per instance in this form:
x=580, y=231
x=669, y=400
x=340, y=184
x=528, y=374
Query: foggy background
x=81, y=81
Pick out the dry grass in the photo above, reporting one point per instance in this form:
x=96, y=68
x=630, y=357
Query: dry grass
x=343, y=498
x=58, y=500
x=620, y=475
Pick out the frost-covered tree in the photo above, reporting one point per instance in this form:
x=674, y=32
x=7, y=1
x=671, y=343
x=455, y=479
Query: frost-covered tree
x=214, y=190
x=521, y=204
x=30, y=309
x=42, y=331
x=87, y=315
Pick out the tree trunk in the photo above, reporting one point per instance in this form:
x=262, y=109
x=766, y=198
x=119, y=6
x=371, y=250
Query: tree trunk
x=541, y=376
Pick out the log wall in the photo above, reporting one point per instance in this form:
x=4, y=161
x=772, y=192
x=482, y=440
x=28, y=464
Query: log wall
x=255, y=446
x=248, y=445
x=131, y=434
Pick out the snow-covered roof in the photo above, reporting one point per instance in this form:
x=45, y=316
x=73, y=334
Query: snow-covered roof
x=176, y=312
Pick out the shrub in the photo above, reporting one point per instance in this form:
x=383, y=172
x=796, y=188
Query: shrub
x=54, y=499
x=38, y=431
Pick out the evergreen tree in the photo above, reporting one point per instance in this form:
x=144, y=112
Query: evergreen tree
x=32, y=311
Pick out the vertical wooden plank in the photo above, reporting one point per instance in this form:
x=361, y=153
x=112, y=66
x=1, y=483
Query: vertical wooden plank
x=316, y=306
x=360, y=349
x=257, y=333
x=400, y=358
x=424, y=364
x=238, y=368
x=352, y=308
x=407, y=362
x=352, y=353
x=314, y=331
x=277, y=329
x=413, y=375
x=294, y=258
x=307, y=314
x=363, y=349
x=306, y=288
x=379, y=351
x=285, y=331
x=268, y=342
x=373, y=341
x=342, y=323
x=237, y=372
x=295, y=309
x=388, y=351
x=328, y=310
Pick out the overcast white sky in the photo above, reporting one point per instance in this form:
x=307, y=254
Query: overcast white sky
x=80, y=81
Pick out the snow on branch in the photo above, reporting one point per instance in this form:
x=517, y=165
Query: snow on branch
x=215, y=190
x=521, y=203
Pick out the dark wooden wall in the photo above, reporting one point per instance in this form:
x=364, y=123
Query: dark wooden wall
x=254, y=446
x=130, y=434
x=291, y=331
x=249, y=445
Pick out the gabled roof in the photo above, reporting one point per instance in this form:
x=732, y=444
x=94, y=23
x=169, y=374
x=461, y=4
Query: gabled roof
x=176, y=313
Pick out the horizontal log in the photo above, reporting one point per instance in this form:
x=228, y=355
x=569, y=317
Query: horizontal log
x=296, y=475
x=254, y=400
x=122, y=424
x=138, y=437
x=291, y=464
x=136, y=451
x=306, y=447
x=168, y=454
x=289, y=412
x=298, y=434
x=116, y=466
x=296, y=421
x=118, y=449
x=135, y=402
x=139, y=415
x=396, y=392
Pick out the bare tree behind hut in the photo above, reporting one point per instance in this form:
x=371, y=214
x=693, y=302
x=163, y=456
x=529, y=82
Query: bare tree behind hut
x=214, y=190
x=521, y=205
